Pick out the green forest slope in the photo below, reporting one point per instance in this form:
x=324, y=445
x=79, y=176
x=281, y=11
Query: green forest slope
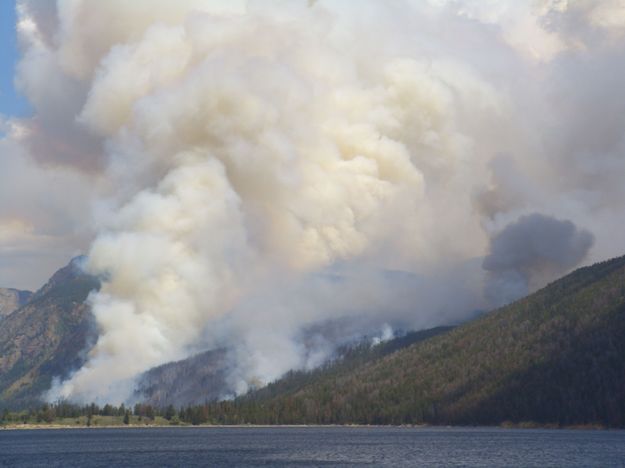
x=555, y=357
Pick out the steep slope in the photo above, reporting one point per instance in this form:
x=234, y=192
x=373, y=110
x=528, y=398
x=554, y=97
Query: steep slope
x=11, y=300
x=46, y=337
x=348, y=359
x=191, y=381
x=555, y=357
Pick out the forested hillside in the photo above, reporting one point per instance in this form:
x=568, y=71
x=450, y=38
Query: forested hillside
x=348, y=358
x=202, y=377
x=555, y=357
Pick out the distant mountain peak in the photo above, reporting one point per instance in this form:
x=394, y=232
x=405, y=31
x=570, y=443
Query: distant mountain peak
x=72, y=273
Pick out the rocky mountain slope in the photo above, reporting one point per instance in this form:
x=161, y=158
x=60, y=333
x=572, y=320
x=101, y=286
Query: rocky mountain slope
x=555, y=357
x=46, y=337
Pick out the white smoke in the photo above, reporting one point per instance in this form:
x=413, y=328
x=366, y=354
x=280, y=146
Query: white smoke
x=277, y=176
x=250, y=148
x=385, y=334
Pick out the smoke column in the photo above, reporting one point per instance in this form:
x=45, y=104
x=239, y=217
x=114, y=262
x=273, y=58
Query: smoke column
x=267, y=172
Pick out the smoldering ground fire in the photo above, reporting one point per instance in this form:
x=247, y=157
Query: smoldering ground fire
x=260, y=169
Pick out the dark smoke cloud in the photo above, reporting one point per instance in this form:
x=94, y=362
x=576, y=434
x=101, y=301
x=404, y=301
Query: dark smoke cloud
x=531, y=251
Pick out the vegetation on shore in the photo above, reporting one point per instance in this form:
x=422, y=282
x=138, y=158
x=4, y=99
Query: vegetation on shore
x=71, y=415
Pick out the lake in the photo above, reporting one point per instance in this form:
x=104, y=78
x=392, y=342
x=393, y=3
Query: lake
x=311, y=446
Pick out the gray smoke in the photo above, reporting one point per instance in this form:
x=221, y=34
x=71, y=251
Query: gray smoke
x=530, y=252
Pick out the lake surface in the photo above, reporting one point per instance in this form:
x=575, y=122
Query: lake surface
x=311, y=446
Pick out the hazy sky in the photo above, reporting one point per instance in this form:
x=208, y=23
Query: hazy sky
x=37, y=231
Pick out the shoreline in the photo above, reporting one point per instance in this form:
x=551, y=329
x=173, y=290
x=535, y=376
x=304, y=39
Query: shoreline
x=505, y=426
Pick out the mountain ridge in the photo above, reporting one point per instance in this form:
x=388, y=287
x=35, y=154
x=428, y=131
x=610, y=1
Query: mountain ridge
x=47, y=337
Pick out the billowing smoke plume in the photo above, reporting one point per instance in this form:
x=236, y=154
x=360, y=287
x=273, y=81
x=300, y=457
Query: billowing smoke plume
x=275, y=177
x=529, y=252
x=253, y=152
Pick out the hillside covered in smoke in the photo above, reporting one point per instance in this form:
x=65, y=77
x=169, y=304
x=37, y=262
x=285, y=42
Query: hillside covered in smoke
x=553, y=358
x=277, y=178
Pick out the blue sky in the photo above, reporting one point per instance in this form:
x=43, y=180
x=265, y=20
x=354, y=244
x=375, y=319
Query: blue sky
x=11, y=103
